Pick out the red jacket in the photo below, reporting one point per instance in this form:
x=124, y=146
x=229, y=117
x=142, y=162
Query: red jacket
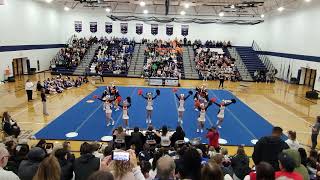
x=293, y=175
x=213, y=138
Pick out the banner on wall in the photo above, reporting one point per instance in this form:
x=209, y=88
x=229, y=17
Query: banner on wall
x=93, y=27
x=169, y=29
x=108, y=27
x=78, y=26
x=124, y=28
x=184, y=30
x=139, y=28
x=154, y=29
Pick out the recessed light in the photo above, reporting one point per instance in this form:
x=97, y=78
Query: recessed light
x=232, y=6
x=108, y=9
x=280, y=8
x=49, y=1
x=66, y=8
x=262, y=16
x=142, y=3
x=145, y=11
x=186, y=5
x=182, y=12
x=221, y=14
x=308, y=0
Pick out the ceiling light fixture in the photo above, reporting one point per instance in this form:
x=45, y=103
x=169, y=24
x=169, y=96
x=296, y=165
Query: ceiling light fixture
x=262, y=16
x=49, y=1
x=232, y=6
x=108, y=9
x=281, y=9
x=66, y=8
x=142, y=3
x=145, y=11
x=308, y=0
x=182, y=13
x=186, y=5
x=221, y=14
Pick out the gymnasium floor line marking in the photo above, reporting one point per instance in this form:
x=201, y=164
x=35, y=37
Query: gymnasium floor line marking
x=288, y=111
x=116, y=122
x=236, y=118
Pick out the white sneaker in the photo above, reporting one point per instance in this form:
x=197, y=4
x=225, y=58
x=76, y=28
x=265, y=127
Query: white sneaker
x=108, y=124
x=201, y=130
x=196, y=109
x=219, y=127
x=197, y=130
x=181, y=122
x=149, y=121
x=117, y=109
x=112, y=123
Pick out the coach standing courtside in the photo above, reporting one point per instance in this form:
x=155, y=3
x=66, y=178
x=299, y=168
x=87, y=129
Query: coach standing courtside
x=315, y=133
x=44, y=102
x=29, y=87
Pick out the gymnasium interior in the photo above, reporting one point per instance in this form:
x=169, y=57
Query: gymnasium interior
x=159, y=89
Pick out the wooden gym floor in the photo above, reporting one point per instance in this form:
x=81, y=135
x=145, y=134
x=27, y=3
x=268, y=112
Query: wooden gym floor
x=282, y=104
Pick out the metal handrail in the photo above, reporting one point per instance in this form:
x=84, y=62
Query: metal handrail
x=266, y=61
x=239, y=59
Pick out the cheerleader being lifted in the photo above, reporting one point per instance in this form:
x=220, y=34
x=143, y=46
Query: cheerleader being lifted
x=149, y=97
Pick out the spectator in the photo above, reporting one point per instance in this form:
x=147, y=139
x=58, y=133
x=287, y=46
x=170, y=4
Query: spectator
x=164, y=136
x=4, y=156
x=29, y=89
x=287, y=166
x=303, y=155
x=146, y=154
x=67, y=147
x=10, y=126
x=156, y=156
x=211, y=171
x=315, y=133
x=299, y=168
x=150, y=136
x=264, y=171
x=177, y=135
x=191, y=161
x=49, y=169
x=269, y=147
x=107, y=150
x=86, y=164
x=101, y=175
x=145, y=169
x=137, y=139
x=240, y=164
x=213, y=137
x=95, y=148
x=65, y=165
x=292, y=141
x=165, y=168
x=218, y=158
x=28, y=168
x=19, y=154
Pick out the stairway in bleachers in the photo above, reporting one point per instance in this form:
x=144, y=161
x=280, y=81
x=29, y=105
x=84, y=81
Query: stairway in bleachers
x=86, y=60
x=189, y=66
x=250, y=59
x=137, y=62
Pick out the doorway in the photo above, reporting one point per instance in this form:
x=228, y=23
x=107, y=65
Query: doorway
x=20, y=66
x=310, y=77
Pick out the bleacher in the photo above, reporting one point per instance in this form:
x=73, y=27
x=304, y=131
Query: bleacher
x=251, y=59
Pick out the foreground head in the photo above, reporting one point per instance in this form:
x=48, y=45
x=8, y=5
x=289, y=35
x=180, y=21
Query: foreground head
x=4, y=156
x=277, y=131
x=101, y=175
x=49, y=168
x=165, y=168
x=265, y=171
x=211, y=170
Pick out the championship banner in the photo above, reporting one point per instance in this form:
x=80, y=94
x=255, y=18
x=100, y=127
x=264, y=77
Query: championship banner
x=93, y=27
x=139, y=28
x=108, y=27
x=124, y=28
x=169, y=29
x=78, y=26
x=184, y=30
x=154, y=29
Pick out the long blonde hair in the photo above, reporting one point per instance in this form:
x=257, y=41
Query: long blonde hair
x=49, y=169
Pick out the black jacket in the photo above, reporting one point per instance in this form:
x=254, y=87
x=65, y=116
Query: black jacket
x=85, y=165
x=66, y=169
x=267, y=149
x=240, y=166
x=28, y=168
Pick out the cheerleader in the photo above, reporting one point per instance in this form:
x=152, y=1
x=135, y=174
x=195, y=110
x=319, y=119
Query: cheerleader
x=149, y=106
x=107, y=108
x=222, y=106
x=125, y=107
x=116, y=97
x=200, y=97
x=181, y=109
x=202, y=116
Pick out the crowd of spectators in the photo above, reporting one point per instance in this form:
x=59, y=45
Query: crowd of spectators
x=73, y=53
x=213, y=62
x=59, y=84
x=163, y=59
x=113, y=55
x=159, y=155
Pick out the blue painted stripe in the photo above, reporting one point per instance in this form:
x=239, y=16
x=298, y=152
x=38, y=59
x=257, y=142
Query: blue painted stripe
x=290, y=56
x=30, y=47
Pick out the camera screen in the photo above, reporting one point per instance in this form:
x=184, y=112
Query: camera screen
x=120, y=156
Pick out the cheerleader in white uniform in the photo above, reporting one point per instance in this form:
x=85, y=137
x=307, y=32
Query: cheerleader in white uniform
x=222, y=106
x=107, y=108
x=149, y=106
x=202, y=116
x=181, y=109
x=125, y=107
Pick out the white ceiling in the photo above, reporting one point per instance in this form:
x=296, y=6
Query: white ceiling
x=243, y=8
